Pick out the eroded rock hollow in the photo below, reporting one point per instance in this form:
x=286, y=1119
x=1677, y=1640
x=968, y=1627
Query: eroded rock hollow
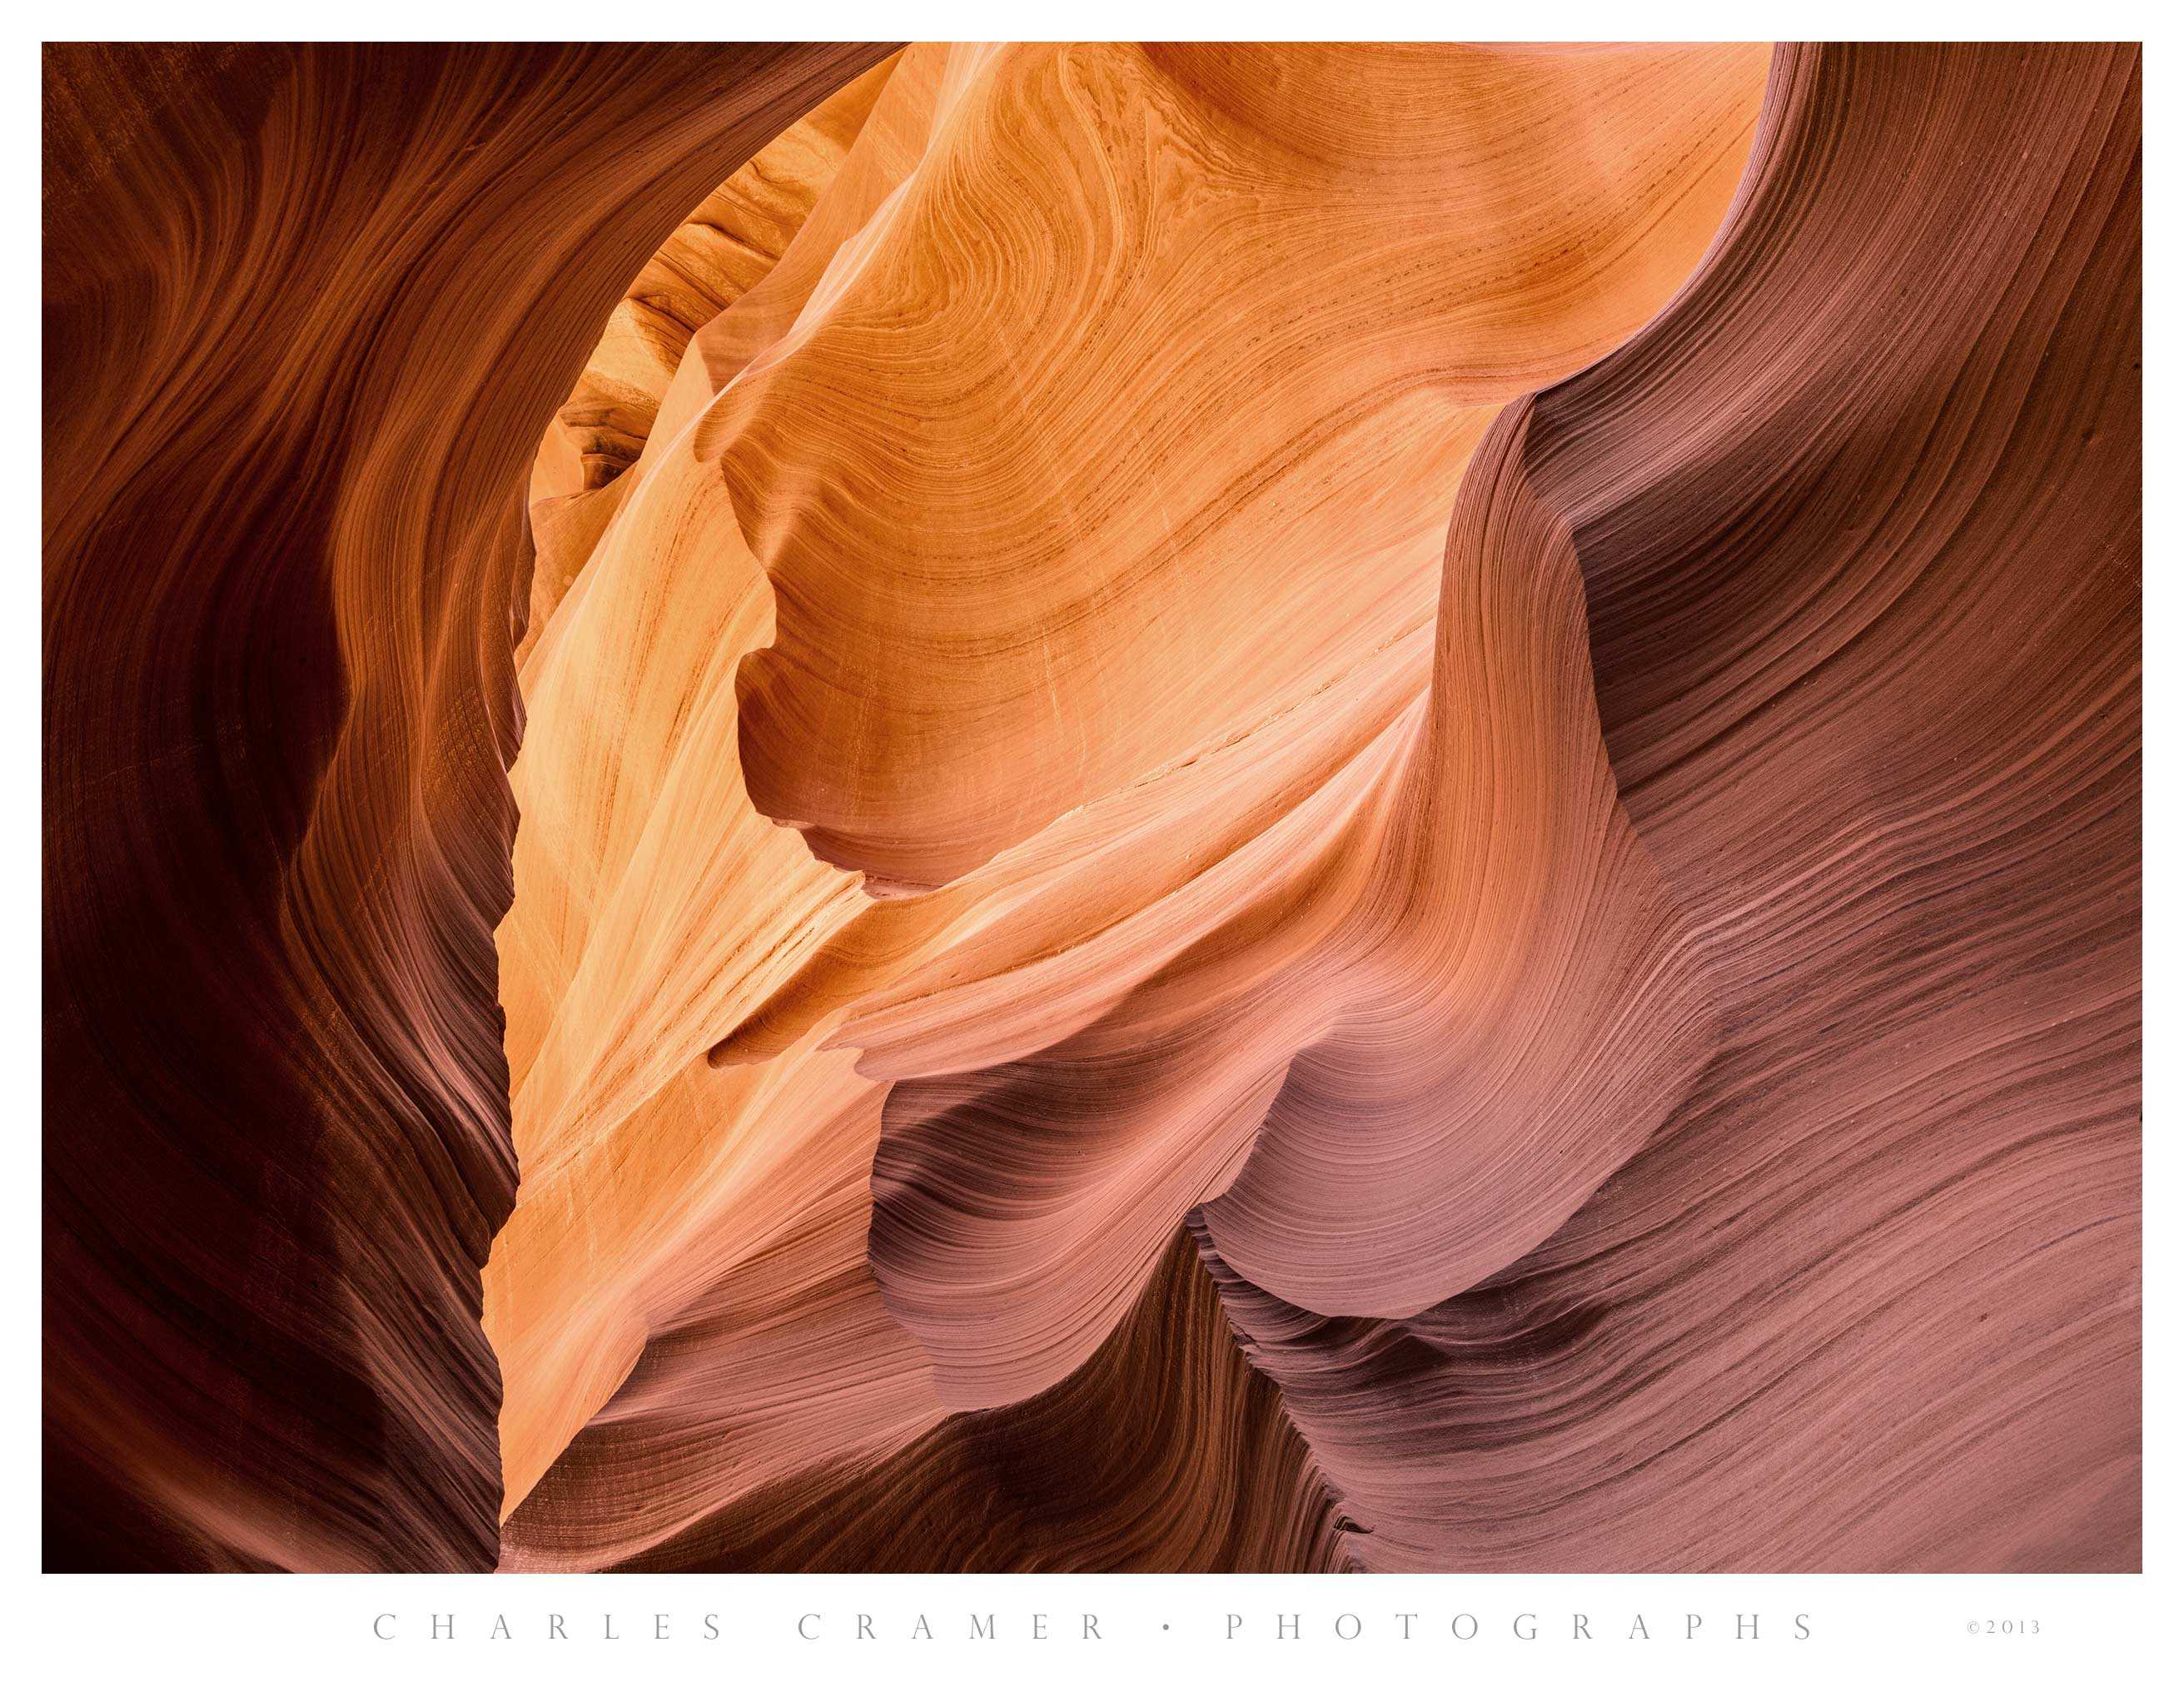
x=1028, y=807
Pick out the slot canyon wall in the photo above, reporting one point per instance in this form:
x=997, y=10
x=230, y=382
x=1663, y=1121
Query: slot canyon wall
x=1099, y=808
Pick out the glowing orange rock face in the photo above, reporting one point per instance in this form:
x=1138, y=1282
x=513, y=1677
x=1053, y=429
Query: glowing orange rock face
x=1289, y=808
x=1102, y=578
x=1136, y=413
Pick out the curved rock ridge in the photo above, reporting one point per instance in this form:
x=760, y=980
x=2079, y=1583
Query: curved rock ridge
x=306, y=311
x=695, y=1237
x=1647, y=1053
x=1163, y=1452
x=1858, y=516
x=1384, y=1083
x=1281, y=808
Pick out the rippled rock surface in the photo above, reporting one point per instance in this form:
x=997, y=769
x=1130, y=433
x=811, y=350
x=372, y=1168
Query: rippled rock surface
x=1093, y=808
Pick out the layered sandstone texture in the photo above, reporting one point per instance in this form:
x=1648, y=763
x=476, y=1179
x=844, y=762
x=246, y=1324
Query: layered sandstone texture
x=1027, y=807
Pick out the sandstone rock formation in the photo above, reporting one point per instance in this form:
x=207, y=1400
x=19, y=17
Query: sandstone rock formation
x=1272, y=808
